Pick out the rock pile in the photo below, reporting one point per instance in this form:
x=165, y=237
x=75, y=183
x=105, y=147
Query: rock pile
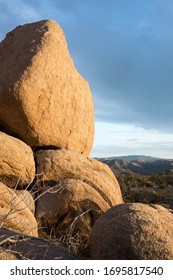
x=49, y=187
x=79, y=189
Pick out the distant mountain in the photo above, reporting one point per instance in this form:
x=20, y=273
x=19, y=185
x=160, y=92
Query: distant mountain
x=131, y=158
x=139, y=167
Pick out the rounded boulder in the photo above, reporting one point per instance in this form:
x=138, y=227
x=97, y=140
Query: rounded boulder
x=44, y=100
x=133, y=231
x=17, y=165
x=59, y=165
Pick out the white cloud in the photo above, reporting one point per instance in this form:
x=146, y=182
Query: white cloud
x=23, y=10
x=113, y=139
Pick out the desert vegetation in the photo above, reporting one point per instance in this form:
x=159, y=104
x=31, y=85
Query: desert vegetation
x=155, y=189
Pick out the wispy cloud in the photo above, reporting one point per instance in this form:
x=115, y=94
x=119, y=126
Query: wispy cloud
x=133, y=139
x=125, y=52
x=113, y=139
x=21, y=9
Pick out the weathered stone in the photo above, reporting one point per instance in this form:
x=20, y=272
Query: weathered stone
x=6, y=254
x=69, y=208
x=61, y=165
x=14, y=214
x=32, y=248
x=133, y=231
x=27, y=198
x=17, y=166
x=44, y=101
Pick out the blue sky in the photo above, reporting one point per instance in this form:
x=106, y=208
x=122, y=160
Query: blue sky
x=124, y=48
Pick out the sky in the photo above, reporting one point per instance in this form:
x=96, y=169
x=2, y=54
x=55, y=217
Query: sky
x=124, y=49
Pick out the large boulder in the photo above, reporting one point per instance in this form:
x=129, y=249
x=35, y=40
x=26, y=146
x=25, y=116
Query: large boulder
x=133, y=231
x=44, y=101
x=58, y=165
x=23, y=247
x=17, y=166
x=14, y=214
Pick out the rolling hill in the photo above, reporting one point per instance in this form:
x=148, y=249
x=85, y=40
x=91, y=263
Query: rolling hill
x=140, y=165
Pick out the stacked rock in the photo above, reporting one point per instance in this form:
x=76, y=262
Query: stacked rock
x=47, y=132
